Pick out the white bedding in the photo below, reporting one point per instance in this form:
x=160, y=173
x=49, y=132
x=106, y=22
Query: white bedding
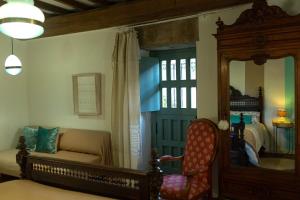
x=256, y=136
x=29, y=190
x=259, y=133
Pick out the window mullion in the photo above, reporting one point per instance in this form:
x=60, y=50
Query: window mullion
x=188, y=97
x=188, y=69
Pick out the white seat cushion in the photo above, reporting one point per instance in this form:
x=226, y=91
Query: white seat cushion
x=72, y=156
x=8, y=164
x=29, y=190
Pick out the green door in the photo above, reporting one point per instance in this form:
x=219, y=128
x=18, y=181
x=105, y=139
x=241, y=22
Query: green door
x=177, y=103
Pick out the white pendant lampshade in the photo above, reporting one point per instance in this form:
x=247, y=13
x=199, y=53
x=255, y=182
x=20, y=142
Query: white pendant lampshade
x=13, y=65
x=20, y=19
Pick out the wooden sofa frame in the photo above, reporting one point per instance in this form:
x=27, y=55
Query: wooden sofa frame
x=94, y=179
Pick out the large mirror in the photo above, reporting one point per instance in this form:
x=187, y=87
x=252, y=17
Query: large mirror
x=259, y=157
x=262, y=103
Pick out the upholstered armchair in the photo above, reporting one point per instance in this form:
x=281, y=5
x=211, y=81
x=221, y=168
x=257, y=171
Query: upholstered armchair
x=200, y=150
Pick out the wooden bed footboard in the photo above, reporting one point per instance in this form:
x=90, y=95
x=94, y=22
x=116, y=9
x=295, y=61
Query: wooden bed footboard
x=243, y=103
x=94, y=179
x=238, y=152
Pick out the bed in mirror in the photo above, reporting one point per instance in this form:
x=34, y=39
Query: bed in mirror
x=258, y=94
x=265, y=96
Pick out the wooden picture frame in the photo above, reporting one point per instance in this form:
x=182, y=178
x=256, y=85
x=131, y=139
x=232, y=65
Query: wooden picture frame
x=87, y=94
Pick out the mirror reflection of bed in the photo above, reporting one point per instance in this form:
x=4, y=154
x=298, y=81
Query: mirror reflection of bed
x=264, y=97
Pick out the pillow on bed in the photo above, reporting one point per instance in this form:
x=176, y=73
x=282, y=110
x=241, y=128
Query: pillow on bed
x=30, y=136
x=236, y=119
x=46, y=140
x=252, y=155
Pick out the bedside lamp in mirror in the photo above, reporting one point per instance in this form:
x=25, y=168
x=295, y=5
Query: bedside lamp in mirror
x=281, y=117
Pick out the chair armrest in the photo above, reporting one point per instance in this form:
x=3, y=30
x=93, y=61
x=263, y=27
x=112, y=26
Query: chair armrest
x=170, y=158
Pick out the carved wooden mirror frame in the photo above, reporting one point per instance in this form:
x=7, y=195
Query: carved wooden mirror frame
x=260, y=33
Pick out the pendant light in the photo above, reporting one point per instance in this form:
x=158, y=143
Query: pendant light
x=20, y=19
x=13, y=65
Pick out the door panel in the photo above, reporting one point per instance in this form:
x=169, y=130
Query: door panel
x=171, y=121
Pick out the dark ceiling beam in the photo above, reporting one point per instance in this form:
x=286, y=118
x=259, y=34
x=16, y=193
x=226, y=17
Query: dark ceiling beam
x=47, y=15
x=75, y=4
x=130, y=13
x=50, y=7
x=101, y=2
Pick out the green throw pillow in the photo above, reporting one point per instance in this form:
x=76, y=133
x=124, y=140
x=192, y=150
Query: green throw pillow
x=30, y=135
x=46, y=140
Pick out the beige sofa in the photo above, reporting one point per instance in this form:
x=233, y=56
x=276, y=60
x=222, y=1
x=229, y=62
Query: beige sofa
x=80, y=145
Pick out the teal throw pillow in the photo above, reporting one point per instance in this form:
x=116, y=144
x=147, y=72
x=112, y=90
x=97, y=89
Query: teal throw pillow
x=30, y=135
x=248, y=119
x=46, y=140
x=235, y=119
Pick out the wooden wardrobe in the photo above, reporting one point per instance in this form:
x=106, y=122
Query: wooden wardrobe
x=259, y=34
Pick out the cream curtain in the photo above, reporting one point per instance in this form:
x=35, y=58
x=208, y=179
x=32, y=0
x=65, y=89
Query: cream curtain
x=126, y=134
x=145, y=140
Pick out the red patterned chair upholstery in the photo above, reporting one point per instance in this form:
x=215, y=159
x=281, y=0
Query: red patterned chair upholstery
x=200, y=150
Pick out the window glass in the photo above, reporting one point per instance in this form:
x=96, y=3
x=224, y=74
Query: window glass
x=193, y=97
x=183, y=97
x=164, y=70
x=182, y=69
x=193, y=68
x=173, y=97
x=173, y=70
x=164, y=98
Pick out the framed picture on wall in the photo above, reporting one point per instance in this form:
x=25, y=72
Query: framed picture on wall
x=87, y=94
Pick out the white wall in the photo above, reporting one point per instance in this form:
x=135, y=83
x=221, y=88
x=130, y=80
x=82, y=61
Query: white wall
x=13, y=95
x=53, y=61
x=274, y=91
x=254, y=78
x=237, y=72
x=207, y=85
x=246, y=76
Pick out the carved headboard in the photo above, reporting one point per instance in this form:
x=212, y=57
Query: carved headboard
x=240, y=102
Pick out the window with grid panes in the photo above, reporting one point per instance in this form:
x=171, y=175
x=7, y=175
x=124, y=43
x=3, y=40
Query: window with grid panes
x=178, y=84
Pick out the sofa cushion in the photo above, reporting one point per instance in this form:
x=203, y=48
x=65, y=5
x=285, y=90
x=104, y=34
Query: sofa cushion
x=46, y=140
x=84, y=141
x=72, y=156
x=8, y=164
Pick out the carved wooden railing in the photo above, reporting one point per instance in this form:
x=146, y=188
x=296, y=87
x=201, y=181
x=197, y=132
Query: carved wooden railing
x=95, y=179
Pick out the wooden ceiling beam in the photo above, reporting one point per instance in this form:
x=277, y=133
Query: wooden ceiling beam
x=50, y=7
x=131, y=12
x=101, y=2
x=75, y=4
x=47, y=15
